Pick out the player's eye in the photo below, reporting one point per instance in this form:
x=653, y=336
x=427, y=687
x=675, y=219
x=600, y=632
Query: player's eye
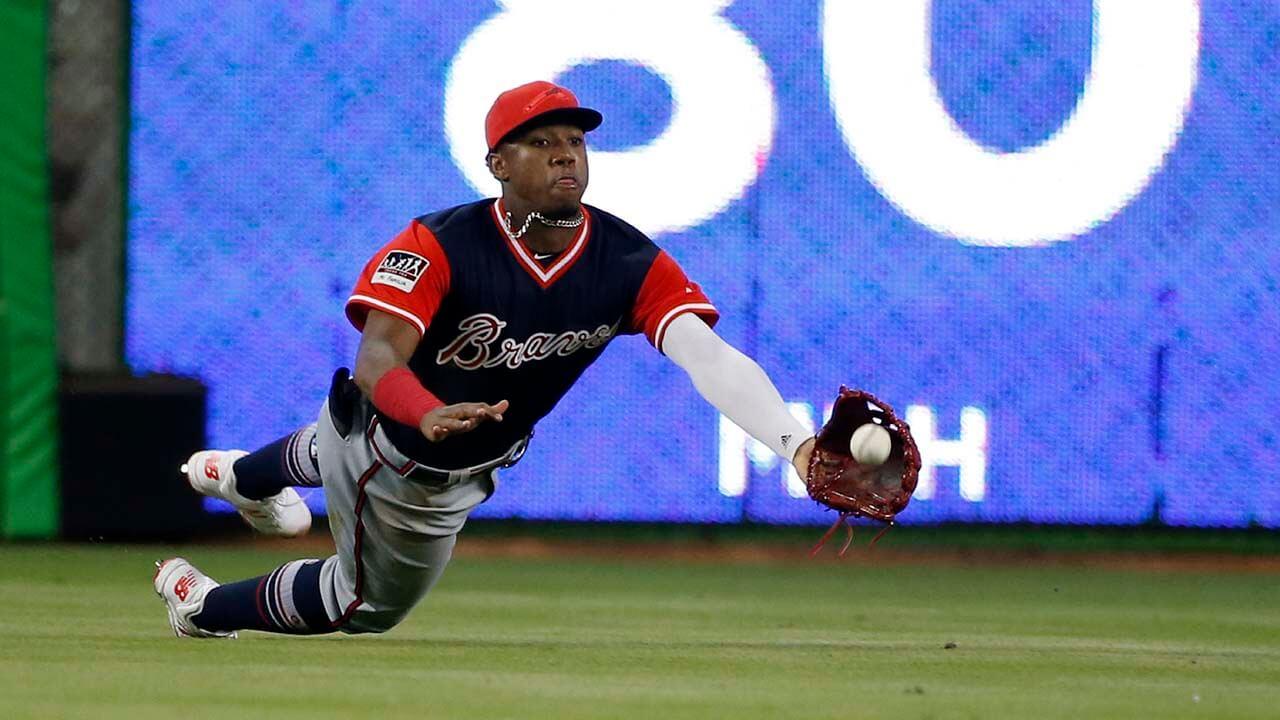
x=575, y=141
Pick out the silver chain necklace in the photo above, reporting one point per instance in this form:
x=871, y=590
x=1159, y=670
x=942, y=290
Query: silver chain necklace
x=570, y=223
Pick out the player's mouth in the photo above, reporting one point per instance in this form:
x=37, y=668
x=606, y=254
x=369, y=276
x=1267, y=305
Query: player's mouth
x=567, y=182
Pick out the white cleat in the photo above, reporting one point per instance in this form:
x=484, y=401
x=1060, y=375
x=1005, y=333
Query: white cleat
x=183, y=589
x=284, y=514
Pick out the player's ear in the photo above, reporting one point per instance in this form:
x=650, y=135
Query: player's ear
x=497, y=167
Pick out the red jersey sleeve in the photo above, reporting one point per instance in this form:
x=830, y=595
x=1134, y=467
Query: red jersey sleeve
x=408, y=278
x=665, y=294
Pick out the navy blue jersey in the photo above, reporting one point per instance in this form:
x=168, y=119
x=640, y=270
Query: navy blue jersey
x=499, y=323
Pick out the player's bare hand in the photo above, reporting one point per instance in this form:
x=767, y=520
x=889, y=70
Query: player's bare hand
x=460, y=418
x=801, y=460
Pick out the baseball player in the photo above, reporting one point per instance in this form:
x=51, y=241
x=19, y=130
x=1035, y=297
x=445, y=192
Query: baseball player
x=474, y=322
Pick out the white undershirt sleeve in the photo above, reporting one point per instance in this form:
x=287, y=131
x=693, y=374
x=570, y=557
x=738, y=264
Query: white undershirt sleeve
x=734, y=384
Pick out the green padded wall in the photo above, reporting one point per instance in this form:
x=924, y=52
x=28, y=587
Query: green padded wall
x=28, y=371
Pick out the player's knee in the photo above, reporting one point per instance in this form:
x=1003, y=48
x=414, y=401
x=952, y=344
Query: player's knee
x=374, y=622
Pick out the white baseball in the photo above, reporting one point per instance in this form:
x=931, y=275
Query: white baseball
x=870, y=445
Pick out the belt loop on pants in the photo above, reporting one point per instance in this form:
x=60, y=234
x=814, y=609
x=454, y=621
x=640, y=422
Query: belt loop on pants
x=410, y=469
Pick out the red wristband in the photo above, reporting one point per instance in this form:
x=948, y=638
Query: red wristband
x=399, y=395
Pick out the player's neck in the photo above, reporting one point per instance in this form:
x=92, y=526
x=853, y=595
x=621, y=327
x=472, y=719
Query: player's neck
x=547, y=240
x=539, y=238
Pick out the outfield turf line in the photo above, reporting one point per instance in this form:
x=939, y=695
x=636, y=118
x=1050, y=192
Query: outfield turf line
x=82, y=635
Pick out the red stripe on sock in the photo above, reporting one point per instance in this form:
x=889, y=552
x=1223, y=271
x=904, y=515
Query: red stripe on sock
x=257, y=600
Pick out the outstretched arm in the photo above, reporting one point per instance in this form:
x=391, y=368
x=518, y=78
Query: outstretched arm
x=736, y=386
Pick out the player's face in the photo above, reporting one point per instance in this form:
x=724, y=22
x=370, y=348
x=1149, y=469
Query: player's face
x=547, y=168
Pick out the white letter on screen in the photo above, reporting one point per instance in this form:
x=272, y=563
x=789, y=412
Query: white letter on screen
x=968, y=452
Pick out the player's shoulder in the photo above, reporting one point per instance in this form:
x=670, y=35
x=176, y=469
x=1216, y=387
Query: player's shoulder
x=617, y=229
x=459, y=218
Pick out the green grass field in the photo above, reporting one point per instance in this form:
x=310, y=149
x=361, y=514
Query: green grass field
x=83, y=636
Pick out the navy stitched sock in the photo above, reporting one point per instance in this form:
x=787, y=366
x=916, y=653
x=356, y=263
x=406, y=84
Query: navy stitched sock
x=286, y=600
x=289, y=461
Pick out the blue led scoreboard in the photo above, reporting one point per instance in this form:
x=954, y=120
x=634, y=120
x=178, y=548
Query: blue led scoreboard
x=1048, y=233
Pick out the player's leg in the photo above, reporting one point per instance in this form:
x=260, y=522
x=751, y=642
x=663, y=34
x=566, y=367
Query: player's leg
x=289, y=599
x=385, y=564
x=287, y=462
x=394, y=537
x=260, y=484
x=360, y=590
x=286, y=600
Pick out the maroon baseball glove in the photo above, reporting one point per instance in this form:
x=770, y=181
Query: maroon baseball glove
x=837, y=481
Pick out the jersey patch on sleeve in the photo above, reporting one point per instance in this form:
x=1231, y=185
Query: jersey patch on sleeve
x=400, y=269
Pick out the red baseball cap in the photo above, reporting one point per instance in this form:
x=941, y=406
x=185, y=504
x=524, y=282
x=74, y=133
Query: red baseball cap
x=539, y=99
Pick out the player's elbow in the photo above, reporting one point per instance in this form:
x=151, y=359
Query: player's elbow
x=369, y=370
x=373, y=360
x=367, y=375
x=363, y=382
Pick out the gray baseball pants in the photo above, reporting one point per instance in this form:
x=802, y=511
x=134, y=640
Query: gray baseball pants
x=393, y=536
